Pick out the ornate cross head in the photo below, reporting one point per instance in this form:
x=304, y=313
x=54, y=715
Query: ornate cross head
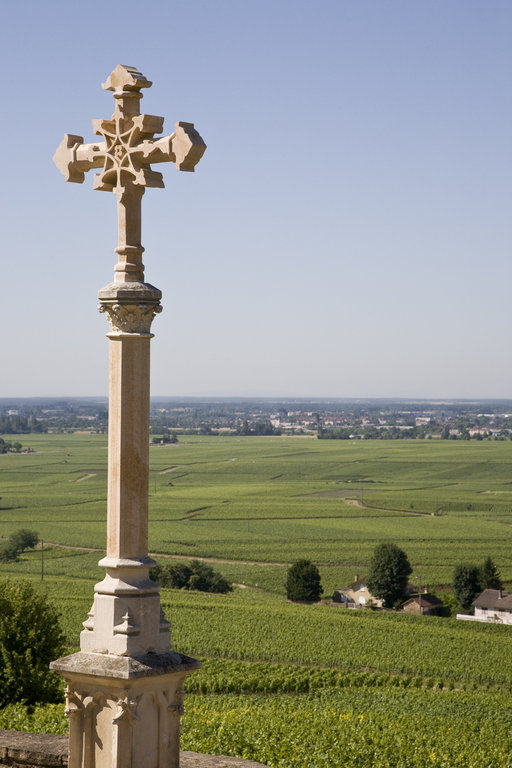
x=129, y=146
x=125, y=156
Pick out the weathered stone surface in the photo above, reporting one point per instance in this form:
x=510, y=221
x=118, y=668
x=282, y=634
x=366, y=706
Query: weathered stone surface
x=124, y=667
x=31, y=750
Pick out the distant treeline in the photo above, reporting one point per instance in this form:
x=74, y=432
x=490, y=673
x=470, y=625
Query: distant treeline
x=395, y=433
x=20, y=425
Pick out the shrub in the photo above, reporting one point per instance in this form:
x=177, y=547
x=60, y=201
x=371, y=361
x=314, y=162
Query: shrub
x=30, y=637
x=197, y=575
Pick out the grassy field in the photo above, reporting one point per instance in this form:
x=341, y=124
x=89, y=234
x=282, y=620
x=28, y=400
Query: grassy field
x=260, y=503
x=289, y=685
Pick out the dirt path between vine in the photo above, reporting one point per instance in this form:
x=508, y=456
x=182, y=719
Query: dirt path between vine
x=360, y=505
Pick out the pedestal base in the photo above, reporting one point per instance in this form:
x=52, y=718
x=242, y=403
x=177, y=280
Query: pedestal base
x=124, y=712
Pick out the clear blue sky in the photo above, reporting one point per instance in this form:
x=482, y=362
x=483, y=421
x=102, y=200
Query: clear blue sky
x=347, y=233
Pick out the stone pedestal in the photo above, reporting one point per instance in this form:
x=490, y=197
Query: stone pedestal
x=124, y=712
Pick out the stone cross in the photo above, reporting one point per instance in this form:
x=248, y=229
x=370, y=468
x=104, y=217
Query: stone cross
x=125, y=687
x=125, y=156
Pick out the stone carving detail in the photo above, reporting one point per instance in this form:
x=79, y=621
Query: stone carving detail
x=178, y=708
x=126, y=710
x=74, y=703
x=127, y=626
x=89, y=622
x=130, y=318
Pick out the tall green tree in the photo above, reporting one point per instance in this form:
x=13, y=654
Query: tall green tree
x=490, y=577
x=30, y=637
x=389, y=572
x=466, y=584
x=303, y=582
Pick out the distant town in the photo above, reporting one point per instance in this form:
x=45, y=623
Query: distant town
x=334, y=419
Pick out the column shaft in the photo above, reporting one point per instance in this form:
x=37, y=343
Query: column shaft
x=128, y=447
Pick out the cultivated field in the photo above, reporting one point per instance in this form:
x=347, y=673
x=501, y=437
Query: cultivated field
x=259, y=503
x=290, y=685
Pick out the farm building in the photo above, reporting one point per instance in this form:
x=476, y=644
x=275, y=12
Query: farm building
x=423, y=605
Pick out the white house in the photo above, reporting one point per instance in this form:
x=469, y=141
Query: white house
x=492, y=605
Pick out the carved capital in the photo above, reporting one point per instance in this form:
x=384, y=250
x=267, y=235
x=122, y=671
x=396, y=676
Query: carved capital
x=131, y=318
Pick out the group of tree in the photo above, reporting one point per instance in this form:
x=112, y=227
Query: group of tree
x=195, y=575
x=166, y=438
x=470, y=579
x=20, y=425
x=8, y=446
x=372, y=433
x=257, y=428
x=16, y=544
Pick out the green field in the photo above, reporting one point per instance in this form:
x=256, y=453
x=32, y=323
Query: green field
x=290, y=685
x=260, y=503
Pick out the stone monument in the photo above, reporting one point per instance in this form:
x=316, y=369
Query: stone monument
x=124, y=693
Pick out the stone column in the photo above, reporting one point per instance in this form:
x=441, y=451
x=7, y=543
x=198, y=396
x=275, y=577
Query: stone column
x=125, y=690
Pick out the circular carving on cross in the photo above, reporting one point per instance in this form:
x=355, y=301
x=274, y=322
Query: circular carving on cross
x=124, y=158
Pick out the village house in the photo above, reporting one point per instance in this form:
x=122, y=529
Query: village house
x=493, y=605
x=356, y=595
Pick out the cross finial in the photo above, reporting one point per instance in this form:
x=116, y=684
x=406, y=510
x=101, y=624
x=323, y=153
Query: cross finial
x=125, y=156
x=127, y=78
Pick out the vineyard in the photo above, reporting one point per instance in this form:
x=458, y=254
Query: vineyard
x=259, y=503
x=292, y=685
x=288, y=716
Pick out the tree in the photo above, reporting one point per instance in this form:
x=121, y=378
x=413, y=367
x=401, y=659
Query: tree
x=466, y=583
x=17, y=543
x=8, y=552
x=489, y=575
x=30, y=637
x=24, y=539
x=389, y=572
x=303, y=582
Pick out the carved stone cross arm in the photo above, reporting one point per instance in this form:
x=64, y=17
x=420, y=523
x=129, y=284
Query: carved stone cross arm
x=125, y=155
x=184, y=147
